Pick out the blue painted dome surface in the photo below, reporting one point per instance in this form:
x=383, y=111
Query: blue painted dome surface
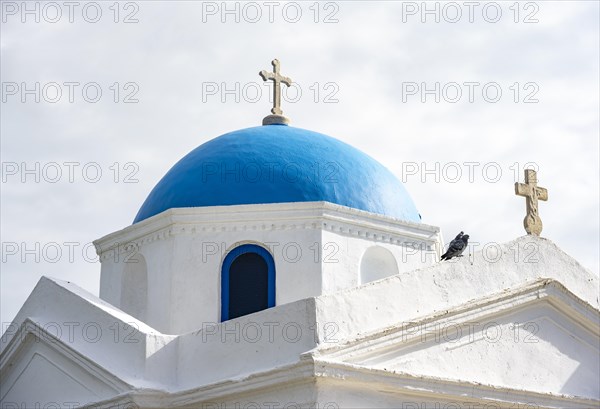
x=279, y=164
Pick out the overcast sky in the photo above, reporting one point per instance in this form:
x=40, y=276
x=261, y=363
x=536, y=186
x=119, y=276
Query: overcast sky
x=455, y=99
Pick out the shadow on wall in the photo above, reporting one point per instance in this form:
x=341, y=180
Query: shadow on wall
x=134, y=287
x=377, y=263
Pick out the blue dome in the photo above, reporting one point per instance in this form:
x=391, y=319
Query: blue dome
x=279, y=164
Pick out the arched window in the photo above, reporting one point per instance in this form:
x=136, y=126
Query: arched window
x=377, y=263
x=247, y=281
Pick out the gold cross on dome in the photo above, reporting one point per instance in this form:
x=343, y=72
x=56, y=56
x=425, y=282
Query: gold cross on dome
x=277, y=79
x=532, y=192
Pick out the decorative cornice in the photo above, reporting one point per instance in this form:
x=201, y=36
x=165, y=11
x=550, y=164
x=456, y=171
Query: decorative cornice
x=277, y=216
x=309, y=370
x=543, y=290
x=445, y=390
x=28, y=328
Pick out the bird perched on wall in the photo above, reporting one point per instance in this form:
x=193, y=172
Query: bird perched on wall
x=457, y=246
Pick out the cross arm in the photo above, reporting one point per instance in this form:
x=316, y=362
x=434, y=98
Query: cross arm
x=522, y=189
x=265, y=75
x=542, y=193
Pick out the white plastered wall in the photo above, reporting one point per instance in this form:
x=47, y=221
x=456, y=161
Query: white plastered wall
x=317, y=248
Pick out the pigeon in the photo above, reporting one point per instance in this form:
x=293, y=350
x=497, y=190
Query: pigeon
x=457, y=246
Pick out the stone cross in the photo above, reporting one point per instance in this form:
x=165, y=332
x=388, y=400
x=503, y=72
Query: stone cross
x=533, y=193
x=277, y=80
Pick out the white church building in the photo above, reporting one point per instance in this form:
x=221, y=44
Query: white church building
x=276, y=267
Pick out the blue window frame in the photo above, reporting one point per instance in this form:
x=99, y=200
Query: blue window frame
x=247, y=281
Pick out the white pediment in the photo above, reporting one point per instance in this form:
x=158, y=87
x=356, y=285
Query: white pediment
x=40, y=371
x=540, y=339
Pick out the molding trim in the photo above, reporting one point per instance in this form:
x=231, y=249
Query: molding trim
x=543, y=290
x=320, y=372
x=30, y=329
x=276, y=216
x=426, y=387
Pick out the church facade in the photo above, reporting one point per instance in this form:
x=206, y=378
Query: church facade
x=275, y=267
